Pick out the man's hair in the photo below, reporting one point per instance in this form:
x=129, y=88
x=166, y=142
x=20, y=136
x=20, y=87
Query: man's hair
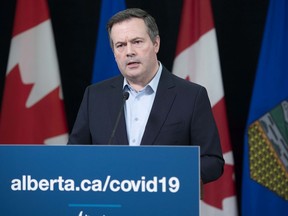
x=152, y=28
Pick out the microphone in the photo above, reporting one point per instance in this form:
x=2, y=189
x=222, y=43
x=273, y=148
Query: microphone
x=125, y=97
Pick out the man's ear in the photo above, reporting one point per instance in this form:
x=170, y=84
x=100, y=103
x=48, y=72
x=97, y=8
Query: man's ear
x=157, y=44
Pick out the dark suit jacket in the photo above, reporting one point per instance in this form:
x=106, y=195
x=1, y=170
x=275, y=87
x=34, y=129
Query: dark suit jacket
x=181, y=115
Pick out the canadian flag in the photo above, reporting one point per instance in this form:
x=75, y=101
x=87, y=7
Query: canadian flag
x=197, y=60
x=32, y=107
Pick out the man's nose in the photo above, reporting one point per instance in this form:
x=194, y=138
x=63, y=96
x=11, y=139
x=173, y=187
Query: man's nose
x=130, y=50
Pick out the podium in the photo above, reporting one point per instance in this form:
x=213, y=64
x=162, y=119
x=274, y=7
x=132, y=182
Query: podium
x=99, y=180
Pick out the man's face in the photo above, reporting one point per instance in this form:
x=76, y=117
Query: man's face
x=135, y=53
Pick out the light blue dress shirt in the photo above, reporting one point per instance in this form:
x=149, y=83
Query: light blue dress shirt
x=137, y=108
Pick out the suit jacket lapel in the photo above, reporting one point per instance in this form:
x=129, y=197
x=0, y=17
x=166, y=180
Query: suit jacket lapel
x=115, y=105
x=163, y=101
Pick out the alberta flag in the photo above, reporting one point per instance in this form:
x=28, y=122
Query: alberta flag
x=197, y=60
x=265, y=170
x=32, y=109
x=104, y=62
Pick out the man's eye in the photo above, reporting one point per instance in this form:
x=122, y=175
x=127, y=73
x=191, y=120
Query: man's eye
x=138, y=43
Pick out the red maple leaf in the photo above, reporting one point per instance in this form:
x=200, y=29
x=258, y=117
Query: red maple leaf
x=215, y=192
x=22, y=125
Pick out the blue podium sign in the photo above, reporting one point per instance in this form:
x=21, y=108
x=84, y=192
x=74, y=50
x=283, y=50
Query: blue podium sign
x=99, y=180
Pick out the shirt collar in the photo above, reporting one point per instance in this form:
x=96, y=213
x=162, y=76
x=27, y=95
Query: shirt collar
x=153, y=83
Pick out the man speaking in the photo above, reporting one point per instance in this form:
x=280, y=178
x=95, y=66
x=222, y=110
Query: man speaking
x=146, y=104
